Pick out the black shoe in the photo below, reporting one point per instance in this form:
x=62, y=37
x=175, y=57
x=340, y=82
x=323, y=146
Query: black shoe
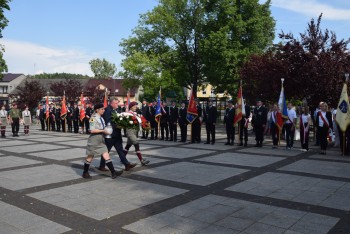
x=207, y=142
x=240, y=144
x=144, y=162
x=256, y=145
x=86, y=175
x=116, y=173
x=245, y=144
x=129, y=166
x=227, y=143
x=213, y=143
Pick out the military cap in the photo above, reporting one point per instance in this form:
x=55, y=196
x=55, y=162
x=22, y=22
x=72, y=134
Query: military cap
x=131, y=104
x=98, y=106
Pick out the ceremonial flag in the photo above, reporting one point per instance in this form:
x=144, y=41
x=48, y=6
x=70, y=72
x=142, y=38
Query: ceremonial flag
x=127, y=100
x=192, y=109
x=158, y=113
x=64, y=107
x=282, y=113
x=105, y=100
x=82, y=108
x=47, y=111
x=343, y=113
x=238, y=114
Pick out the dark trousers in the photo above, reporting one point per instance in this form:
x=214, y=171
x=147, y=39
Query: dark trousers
x=76, y=125
x=118, y=146
x=230, y=132
x=58, y=125
x=15, y=125
x=173, y=131
x=164, y=128
x=304, y=138
x=243, y=131
x=87, y=125
x=196, y=131
x=259, y=134
x=323, y=137
x=183, y=129
x=289, y=135
x=210, y=127
x=63, y=125
x=275, y=133
x=154, y=130
x=69, y=124
x=42, y=122
x=52, y=124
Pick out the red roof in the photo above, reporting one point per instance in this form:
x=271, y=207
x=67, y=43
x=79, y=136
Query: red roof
x=111, y=85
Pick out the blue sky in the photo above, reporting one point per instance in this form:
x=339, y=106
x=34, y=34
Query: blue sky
x=63, y=36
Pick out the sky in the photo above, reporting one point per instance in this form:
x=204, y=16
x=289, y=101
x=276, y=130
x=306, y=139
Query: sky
x=64, y=35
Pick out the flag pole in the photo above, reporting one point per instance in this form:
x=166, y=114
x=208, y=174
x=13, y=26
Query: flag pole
x=343, y=144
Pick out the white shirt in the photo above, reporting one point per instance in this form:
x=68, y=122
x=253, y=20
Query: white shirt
x=320, y=120
x=291, y=115
x=3, y=113
x=305, y=118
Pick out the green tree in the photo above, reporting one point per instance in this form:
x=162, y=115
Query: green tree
x=102, y=69
x=197, y=41
x=4, y=4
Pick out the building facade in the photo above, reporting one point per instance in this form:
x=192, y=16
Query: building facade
x=8, y=84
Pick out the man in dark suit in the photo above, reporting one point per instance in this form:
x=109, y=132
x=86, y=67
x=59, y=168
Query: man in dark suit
x=52, y=117
x=259, y=121
x=88, y=113
x=228, y=121
x=209, y=117
x=76, y=117
x=197, y=124
x=173, y=118
x=243, y=126
x=151, y=117
x=183, y=121
x=115, y=139
x=69, y=117
x=42, y=117
x=164, y=122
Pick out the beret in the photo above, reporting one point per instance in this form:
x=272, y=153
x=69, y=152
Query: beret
x=131, y=104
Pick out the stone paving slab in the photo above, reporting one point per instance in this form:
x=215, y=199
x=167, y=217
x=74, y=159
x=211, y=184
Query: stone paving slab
x=322, y=192
x=241, y=159
x=191, y=173
x=176, y=152
x=77, y=142
x=32, y=148
x=337, y=169
x=217, y=214
x=270, y=151
x=15, y=220
x=216, y=146
x=158, y=142
x=331, y=157
x=123, y=195
x=57, y=139
x=64, y=154
x=36, y=176
x=12, y=161
x=14, y=143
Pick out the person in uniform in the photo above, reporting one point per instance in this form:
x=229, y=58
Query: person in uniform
x=69, y=117
x=152, y=119
x=58, y=117
x=229, y=123
x=144, y=109
x=209, y=117
x=14, y=117
x=131, y=134
x=243, y=127
x=96, y=145
x=3, y=121
x=124, y=110
x=115, y=139
x=197, y=124
x=323, y=124
x=173, y=118
x=75, y=118
x=164, y=127
x=88, y=113
x=42, y=117
x=304, y=126
x=275, y=132
x=290, y=126
x=52, y=117
x=27, y=120
x=259, y=121
x=183, y=121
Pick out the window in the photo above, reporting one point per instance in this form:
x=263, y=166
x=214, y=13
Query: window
x=204, y=92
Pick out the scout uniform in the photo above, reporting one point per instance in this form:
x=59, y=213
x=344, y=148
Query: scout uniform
x=27, y=120
x=14, y=119
x=3, y=121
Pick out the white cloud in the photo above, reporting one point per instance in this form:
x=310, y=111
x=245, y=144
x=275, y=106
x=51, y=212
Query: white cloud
x=313, y=8
x=30, y=58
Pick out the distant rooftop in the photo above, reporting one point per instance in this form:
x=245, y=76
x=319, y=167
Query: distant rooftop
x=8, y=77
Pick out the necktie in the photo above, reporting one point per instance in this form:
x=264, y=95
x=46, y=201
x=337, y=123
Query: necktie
x=103, y=125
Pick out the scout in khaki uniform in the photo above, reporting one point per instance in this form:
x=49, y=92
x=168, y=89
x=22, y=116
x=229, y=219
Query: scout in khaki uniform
x=14, y=117
x=27, y=120
x=96, y=145
x=3, y=121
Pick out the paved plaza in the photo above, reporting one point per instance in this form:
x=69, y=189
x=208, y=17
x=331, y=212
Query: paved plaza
x=187, y=188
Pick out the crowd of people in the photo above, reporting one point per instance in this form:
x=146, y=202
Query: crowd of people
x=262, y=119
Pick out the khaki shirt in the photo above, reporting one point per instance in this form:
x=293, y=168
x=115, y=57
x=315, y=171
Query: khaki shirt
x=97, y=122
x=14, y=113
